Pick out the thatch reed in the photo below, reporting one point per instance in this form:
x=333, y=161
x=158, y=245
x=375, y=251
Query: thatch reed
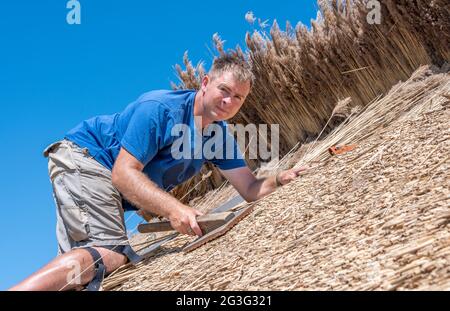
x=376, y=218
x=301, y=74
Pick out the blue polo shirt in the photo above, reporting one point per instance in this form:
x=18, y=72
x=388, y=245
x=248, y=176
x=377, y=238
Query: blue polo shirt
x=147, y=129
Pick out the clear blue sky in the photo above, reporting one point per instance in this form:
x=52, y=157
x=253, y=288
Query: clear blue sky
x=54, y=75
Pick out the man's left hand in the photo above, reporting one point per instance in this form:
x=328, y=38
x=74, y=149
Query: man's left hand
x=287, y=176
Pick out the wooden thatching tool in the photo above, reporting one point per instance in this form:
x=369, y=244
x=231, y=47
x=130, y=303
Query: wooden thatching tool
x=237, y=217
x=230, y=205
x=207, y=223
x=335, y=150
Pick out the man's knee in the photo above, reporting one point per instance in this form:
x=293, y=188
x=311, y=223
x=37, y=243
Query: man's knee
x=82, y=265
x=111, y=259
x=95, y=263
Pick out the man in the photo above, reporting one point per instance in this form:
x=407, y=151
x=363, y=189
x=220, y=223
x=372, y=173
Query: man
x=113, y=163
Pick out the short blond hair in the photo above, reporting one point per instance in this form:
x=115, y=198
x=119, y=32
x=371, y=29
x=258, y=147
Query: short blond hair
x=235, y=63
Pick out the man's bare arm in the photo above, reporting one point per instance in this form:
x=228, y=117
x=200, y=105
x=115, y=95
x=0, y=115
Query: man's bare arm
x=137, y=188
x=248, y=186
x=252, y=188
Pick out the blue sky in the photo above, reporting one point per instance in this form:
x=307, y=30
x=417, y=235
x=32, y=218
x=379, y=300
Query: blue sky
x=54, y=75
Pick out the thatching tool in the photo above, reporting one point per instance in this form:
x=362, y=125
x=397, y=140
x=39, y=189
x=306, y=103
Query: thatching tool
x=335, y=150
x=231, y=205
x=237, y=217
x=212, y=225
x=207, y=223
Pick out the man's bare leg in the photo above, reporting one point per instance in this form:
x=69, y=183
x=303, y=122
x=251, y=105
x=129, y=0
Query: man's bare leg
x=70, y=271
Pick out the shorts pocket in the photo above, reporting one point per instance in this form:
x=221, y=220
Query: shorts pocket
x=50, y=148
x=72, y=211
x=61, y=160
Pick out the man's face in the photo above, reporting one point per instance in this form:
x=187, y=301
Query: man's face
x=223, y=96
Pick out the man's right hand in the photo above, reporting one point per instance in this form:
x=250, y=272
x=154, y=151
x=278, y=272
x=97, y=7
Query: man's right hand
x=184, y=220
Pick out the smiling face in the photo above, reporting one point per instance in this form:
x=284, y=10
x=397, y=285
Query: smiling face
x=223, y=96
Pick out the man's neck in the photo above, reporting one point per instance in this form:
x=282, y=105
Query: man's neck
x=200, y=111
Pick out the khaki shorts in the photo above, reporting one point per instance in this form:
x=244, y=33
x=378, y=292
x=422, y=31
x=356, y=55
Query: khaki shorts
x=88, y=207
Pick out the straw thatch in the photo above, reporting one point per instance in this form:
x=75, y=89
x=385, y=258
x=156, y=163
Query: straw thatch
x=301, y=74
x=376, y=218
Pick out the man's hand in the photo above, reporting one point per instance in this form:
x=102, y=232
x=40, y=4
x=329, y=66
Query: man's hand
x=252, y=189
x=287, y=176
x=183, y=219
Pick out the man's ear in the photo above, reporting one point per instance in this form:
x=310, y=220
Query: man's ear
x=205, y=82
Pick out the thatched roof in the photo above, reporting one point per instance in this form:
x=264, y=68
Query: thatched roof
x=375, y=218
